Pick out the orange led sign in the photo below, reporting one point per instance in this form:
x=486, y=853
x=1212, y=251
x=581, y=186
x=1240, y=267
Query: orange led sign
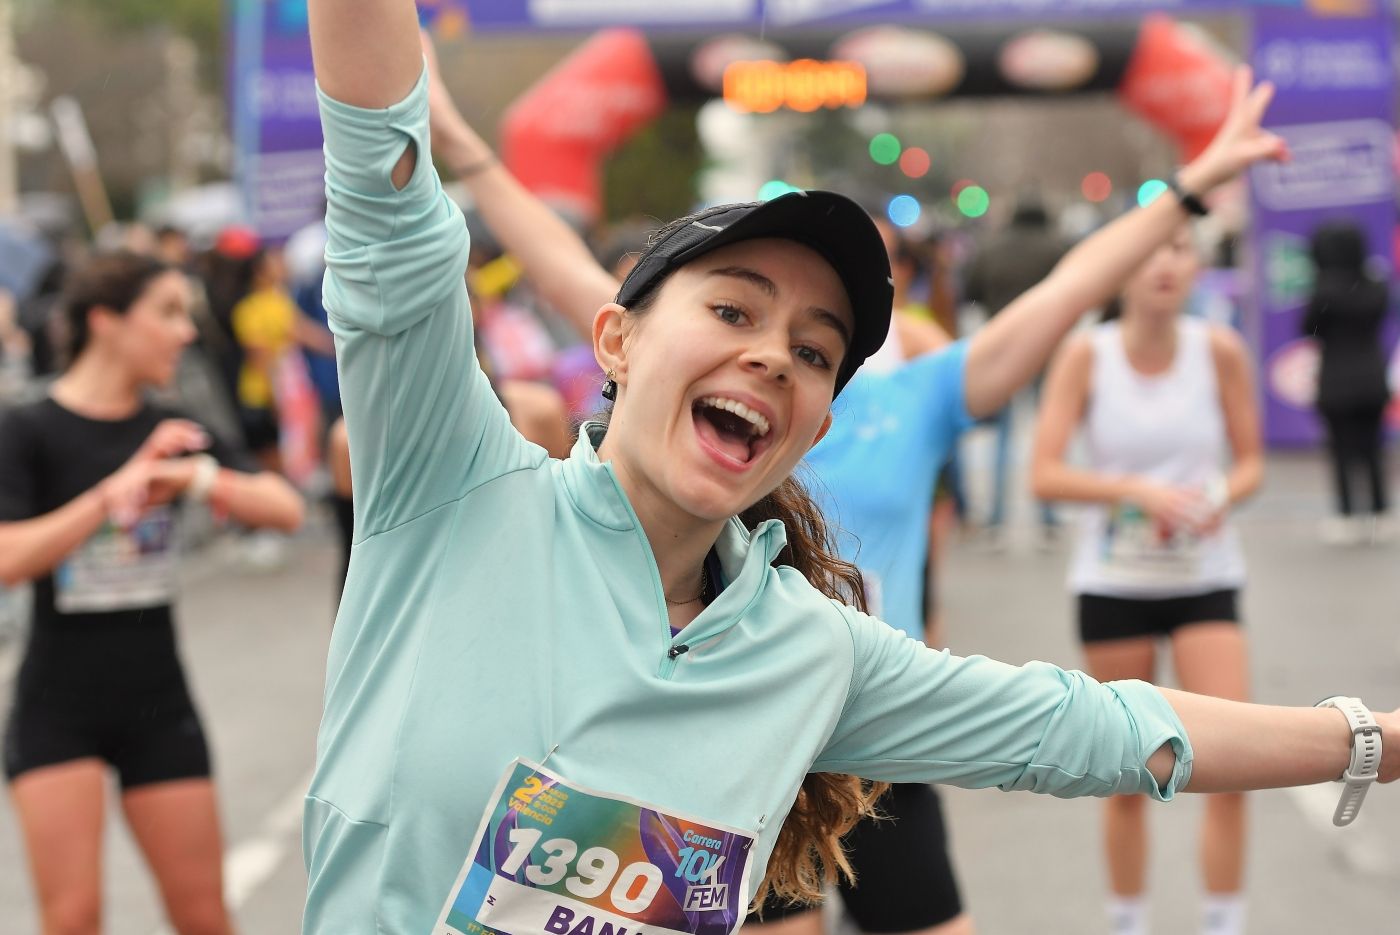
x=805, y=85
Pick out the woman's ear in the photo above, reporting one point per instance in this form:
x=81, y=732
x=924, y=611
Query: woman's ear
x=100, y=322
x=821, y=432
x=608, y=347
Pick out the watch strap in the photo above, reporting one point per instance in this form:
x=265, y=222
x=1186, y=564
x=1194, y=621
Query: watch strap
x=1189, y=200
x=1365, y=756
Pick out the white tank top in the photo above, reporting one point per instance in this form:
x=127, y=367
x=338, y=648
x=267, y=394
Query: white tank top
x=1169, y=427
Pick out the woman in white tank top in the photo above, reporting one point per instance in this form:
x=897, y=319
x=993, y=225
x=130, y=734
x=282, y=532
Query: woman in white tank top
x=1165, y=406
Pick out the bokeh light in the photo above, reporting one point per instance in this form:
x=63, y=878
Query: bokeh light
x=1150, y=191
x=904, y=210
x=1096, y=187
x=959, y=186
x=885, y=148
x=915, y=162
x=772, y=189
x=973, y=201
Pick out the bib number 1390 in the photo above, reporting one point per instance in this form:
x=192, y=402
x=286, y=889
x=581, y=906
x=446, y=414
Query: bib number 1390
x=594, y=871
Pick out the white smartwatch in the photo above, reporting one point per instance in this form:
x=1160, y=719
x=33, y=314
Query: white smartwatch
x=206, y=472
x=1365, y=756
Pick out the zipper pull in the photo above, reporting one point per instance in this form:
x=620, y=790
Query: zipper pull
x=677, y=650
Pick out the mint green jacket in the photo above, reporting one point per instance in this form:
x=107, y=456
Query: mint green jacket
x=501, y=604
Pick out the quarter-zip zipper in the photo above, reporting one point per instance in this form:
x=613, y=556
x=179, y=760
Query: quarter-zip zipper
x=673, y=656
x=674, y=648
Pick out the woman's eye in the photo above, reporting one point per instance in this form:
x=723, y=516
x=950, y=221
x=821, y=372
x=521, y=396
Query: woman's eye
x=729, y=314
x=813, y=356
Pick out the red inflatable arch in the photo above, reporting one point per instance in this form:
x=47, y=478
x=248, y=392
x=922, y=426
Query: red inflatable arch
x=555, y=137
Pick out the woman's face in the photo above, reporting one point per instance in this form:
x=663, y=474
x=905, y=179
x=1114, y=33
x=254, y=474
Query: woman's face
x=1161, y=286
x=153, y=333
x=727, y=381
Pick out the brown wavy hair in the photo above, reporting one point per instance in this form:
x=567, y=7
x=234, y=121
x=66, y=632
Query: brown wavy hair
x=808, y=854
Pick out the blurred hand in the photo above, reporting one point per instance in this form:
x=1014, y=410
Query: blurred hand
x=172, y=437
x=144, y=483
x=1172, y=508
x=1241, y=141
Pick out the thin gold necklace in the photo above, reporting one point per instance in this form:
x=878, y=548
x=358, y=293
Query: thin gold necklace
x=704, y=587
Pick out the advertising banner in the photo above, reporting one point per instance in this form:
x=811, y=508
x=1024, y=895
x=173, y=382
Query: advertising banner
x=594, y=14
x=1334, y=77
x=276, y=128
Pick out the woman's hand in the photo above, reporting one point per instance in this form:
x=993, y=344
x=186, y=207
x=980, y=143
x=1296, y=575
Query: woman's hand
x=1173, y=508
x=144, y=483
x=1240, y=142
x=172, y=437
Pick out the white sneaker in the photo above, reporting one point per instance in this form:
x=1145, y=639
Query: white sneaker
x=1339, y=530
x=1377, y=529
x=265, y=550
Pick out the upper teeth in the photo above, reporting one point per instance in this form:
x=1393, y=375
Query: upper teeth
x=755, y=419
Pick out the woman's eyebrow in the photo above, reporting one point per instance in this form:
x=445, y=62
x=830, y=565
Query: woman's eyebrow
x=834, y=322
x=751, y=276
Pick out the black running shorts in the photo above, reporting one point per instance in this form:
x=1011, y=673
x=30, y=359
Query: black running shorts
x=156, y=739
x=1116, y=618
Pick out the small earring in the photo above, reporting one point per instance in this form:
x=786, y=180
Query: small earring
x=609, y=390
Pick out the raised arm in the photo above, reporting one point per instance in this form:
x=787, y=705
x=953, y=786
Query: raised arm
x=427, y=426
x=1014, y=346
x=365, y=52
x=554, y=258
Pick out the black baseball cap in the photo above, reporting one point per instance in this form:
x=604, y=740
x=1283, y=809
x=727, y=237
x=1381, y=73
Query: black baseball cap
x=831, y=224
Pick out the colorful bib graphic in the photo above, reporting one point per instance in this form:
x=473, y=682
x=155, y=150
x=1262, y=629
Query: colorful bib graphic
x=553, y=857
x=119, y=568
x=1138, y=551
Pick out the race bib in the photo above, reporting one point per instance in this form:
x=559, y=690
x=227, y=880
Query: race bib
x=553, y=857
x=1136, y=551
x=120, y=569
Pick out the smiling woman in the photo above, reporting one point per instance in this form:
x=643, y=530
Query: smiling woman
x=523, y=675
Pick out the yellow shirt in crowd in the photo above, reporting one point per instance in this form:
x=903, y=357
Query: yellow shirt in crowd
x=265, y=325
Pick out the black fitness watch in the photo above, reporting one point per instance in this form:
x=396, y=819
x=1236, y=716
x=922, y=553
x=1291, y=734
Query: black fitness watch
x=1189, y=200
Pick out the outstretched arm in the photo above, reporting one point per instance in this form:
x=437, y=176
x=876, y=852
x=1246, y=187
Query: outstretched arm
x=1015, y=345
x=366, y=54
x=555, y=259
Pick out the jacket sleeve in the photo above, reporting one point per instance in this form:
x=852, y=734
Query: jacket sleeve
x=914, y=714
x=423, y=422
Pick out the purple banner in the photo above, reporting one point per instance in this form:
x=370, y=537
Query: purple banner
x=277, y=130
x=1334, y=77
x=771, y=14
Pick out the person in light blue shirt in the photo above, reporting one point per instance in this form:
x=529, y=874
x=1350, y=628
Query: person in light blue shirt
x=542, y=713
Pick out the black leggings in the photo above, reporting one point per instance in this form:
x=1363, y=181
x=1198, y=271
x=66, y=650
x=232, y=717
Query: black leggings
x=1356, y=438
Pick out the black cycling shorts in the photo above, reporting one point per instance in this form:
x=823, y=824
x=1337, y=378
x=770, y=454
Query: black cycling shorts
x=904, y=874
x=156, y=739
x=1116, y=618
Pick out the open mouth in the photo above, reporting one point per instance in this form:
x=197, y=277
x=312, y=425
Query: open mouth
x=731, y=428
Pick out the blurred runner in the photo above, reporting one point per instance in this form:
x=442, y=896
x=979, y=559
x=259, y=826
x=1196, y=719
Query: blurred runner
x=1166, y=405
x=89, y=477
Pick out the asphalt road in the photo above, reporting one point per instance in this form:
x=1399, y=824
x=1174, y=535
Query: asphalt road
x=1321, y=620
